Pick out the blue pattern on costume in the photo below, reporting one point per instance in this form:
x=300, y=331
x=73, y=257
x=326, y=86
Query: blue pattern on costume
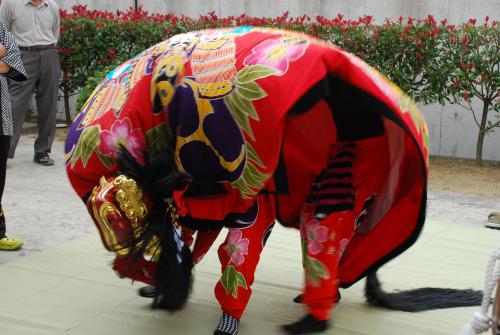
x=245, y=220
x=241, y=30
x=267, y=233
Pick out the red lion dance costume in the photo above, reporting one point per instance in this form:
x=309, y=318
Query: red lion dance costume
x=236, y=128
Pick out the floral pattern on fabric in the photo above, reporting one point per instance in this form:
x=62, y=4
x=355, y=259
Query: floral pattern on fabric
x=223, y=95
x=240, y=106
x=197, y=69
x=276, y=53
x=231, y=280
x=236, y=247
x=315, y=270
x=86, y=144
x=315, y=235
x=122, y=134
x=108, y=97
x=113, y=91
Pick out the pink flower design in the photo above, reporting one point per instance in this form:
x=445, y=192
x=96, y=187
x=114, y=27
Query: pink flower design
x=315, y=235
x=276, y=54
x=121, y=133
x=236, y=247
x=342, y=246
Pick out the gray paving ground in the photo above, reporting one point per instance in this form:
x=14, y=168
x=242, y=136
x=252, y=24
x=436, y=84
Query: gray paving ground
x=42, y=209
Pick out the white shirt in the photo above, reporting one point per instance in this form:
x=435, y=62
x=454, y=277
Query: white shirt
x=31, y=25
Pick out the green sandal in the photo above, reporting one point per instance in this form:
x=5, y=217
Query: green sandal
x=10, y=244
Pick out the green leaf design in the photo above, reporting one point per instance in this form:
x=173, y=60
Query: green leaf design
x=254, y=72
x=427, y=139
x=315, y=270
x=254, y=175
x=303, y=243
x=87, y=144
x=231, y=280
x=239, y=109
x=157, y=136
x=250, y=182
x=252, y=155
x=91, y=141
x=245, y=190
x=227, y=279
x=250, y=91
x=254, y=178
x=76, y=153
x=245, y=106
x=240, y=279
x=240, y=105
x=105, y=160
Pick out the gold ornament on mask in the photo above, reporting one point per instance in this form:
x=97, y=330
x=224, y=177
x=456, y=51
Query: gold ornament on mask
x=129, y=197
x=118, y=209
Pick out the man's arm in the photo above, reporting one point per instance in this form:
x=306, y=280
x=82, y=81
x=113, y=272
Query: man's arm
x=56, y=26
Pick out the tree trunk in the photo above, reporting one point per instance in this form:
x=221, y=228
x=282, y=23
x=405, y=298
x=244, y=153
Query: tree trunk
x=480, y=136
x=66, y=102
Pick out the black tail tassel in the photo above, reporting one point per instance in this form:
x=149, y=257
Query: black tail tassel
x=158, y=178
x=422, y=299
x=173, y=279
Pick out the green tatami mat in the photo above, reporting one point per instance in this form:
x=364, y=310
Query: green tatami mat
x=72, y=290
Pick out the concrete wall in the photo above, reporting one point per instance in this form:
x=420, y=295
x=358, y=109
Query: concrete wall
x=453, y=131
x=455, y=11
x=109, y=5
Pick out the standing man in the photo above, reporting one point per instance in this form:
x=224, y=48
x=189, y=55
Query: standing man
x=35, y=25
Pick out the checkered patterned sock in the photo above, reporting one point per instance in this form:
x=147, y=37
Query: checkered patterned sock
x=228, y=325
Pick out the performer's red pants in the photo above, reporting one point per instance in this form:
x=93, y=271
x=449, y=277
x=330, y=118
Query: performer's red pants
x=239, y=256
x=342, y=196
x=323, y=242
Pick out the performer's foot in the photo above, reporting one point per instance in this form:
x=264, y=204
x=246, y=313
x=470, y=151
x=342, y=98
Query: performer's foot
x=10, y=244
x=300, y=298
x=228, y=325
x=306, y=325
x=147, y=291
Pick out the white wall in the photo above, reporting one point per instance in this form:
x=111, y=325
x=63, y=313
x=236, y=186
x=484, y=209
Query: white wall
x=455, y=11
x=109, y=5
x=454, y=133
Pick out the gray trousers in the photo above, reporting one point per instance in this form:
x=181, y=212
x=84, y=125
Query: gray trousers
x=44, y=72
